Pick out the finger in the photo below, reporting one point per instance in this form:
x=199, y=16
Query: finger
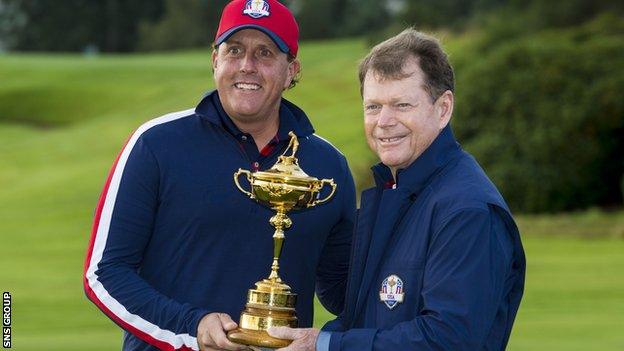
x=227, y=322
x=221, y=341
x=283, y=333
x=294, y=346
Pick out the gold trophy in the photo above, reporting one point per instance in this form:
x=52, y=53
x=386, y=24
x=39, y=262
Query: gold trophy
x=284, y=187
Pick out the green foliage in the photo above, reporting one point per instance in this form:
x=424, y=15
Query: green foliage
x=622, y=186
x=520, y=18
x=320, y=18
x=129, y=25
x=364, y=17
x=531, y=14
x=124, y=25
x=74, y=25
x=444, y=13
x=563, y=13
x=544, y=116
x=51, y=178
x=186, y=24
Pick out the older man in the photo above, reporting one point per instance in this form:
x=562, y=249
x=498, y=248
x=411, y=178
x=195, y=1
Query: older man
x=437, y=259
x=175, y=245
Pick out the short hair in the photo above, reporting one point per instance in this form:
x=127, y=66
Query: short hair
x=388, y=58
x=297, y=77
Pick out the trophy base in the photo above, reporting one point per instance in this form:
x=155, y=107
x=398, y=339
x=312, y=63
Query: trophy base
x=256, y=338
x=270, y=305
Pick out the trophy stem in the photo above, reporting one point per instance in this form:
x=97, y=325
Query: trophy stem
x=280, y=221
x=283, y=188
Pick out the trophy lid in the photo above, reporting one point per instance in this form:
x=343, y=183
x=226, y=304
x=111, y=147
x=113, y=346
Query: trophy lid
x=287, y=167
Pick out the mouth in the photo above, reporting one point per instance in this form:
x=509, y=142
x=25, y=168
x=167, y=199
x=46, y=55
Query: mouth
x=390, y=140
x=247, y=86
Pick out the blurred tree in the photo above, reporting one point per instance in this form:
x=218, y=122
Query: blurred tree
x=535, y=14
x=10, y=18
x=364, y=17
x=564, y=13
x=445, y=13
x=544, y=115
x=320, y=18
x=122, y=20
x=186, y=24
x=73, y=25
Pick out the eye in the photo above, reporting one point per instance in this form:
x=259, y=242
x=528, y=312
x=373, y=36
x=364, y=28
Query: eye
x=372, y=107
x=403, y=105
x=234, y=50
x=264, y=52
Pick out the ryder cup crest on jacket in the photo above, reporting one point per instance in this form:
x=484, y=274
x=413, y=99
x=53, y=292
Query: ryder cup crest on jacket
x=391, y=292
x=268, y=16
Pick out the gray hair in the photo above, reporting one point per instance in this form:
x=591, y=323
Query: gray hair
x=388, y=58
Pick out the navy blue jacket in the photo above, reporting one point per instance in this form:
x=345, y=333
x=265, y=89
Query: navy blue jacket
x=174, y=239
x=446, y=233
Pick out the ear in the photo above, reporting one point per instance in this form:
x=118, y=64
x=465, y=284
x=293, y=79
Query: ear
x=293, y=68
x=214, y=58
x=444, y=108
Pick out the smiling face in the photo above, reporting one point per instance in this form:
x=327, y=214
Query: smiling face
x=251, y=73
x=400, y=120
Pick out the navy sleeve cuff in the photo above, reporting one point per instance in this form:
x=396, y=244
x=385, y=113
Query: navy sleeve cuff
x=322, y=341
x=195, y=319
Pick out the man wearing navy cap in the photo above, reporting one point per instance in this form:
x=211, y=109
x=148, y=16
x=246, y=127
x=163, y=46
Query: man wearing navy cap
x=175, y=246
x=437, y=259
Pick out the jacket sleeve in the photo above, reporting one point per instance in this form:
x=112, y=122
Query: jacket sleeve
x=463, y=288
x=122, y=229
x=334, y=262
x=334, y=325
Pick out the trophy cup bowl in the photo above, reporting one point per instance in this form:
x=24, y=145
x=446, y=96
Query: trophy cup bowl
x=284, y=187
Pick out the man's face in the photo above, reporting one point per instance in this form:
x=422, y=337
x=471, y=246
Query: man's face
x=400, y=121
x=251, y=73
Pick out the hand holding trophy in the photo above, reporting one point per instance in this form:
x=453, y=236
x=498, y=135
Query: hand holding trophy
x=284, y=187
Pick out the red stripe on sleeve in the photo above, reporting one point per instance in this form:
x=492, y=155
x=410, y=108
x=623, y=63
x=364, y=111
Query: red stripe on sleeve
x=91, y=294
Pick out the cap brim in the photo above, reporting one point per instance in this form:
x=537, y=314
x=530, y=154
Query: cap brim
x=277, y=40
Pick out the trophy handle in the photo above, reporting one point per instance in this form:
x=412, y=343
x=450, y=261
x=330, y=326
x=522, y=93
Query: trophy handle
x=329, y=182
x=236, y=175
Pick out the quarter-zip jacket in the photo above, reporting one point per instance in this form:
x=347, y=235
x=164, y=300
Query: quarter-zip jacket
x=174, y=239
x=447, y=234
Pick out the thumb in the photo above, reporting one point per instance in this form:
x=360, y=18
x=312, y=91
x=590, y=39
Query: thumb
x=227, y=322
x=283, y=333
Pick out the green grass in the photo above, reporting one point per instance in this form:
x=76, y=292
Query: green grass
x=574, y=298
x=592, y=223
x=63, y=119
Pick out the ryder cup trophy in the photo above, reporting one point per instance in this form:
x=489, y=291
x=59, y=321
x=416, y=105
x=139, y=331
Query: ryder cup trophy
x=283, y=188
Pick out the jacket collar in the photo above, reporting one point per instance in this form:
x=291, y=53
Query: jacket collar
x=416, y=176
x=291, y=117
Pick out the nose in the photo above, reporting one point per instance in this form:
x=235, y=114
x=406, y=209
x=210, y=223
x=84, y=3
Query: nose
x=248, y=64
x=386, y=118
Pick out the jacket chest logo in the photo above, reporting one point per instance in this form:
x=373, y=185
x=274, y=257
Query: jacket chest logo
x=391, y=292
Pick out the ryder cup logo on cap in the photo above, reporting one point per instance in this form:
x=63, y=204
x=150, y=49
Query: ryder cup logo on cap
x=256, y=8
x=391, y=292
x=268, y=16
